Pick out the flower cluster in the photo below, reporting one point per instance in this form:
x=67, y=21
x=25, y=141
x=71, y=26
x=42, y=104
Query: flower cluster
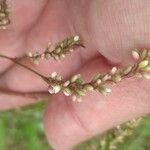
x=77, y=88
x=57, y=51
x=4, y=14
x=142, y=66
x=119, y=134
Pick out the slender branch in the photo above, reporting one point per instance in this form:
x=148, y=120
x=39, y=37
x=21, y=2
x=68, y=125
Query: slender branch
x=77, y=88
x=57, y=51
x=23, y=66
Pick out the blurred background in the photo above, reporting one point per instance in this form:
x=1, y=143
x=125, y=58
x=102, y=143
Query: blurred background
x=22, y=129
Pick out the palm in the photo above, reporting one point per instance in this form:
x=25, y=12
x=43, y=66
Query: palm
x=34, y=25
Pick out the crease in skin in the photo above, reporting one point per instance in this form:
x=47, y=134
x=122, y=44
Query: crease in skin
x=6, y=70
x=26, y=94
x=39, y=16
x=13, y=49
x=57, y=108
x=12, y=100
x=76, y=117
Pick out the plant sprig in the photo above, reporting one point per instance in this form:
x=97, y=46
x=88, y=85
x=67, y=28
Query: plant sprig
x=4, y=14
x=57, y=51
x=75, y=86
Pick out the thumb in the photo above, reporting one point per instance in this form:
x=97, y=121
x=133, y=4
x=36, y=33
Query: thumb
x=68, y=123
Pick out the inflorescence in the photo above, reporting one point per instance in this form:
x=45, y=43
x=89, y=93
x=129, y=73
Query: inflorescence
x=57, y=51
x=75, y=86
x=4, y=14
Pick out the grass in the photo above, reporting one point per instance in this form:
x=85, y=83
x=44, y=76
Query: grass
x=22, y=130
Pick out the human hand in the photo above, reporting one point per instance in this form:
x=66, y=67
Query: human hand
x=110, y=30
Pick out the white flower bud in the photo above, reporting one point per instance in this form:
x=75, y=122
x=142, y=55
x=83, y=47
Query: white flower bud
x=47, y=56
x=62, y=56
x=117, y=78
x=58, y=50
x=79, y=100
x=71, y=50
x=2, y=14
x=89, y=87
x=76, y=38
x=106, y=77
x=51, y=90
x=43, y=56
x=54, y=74
x=57, y=88
x=74, y=98
x=75, y=77
x=66, y=83
x=54, y=89
x=144, y=54
x=135, y=55
x=113, y=70
x=99, y=81
x=127, y=70
x=67, y=92
x=108, y=90
x=30, y=54
x=104, y=90
x=146, y=75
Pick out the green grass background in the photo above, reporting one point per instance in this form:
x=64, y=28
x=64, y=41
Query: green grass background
x=22, y=129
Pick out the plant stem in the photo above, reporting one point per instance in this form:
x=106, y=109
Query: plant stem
x=78, y=88
x=107, y=141
x=24, y=66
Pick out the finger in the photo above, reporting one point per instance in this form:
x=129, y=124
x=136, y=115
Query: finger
x=115, y=27
x=68, y=123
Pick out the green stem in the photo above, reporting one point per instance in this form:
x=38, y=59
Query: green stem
x=107, y=141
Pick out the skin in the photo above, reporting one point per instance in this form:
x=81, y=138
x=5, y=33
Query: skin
x=110, y=30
